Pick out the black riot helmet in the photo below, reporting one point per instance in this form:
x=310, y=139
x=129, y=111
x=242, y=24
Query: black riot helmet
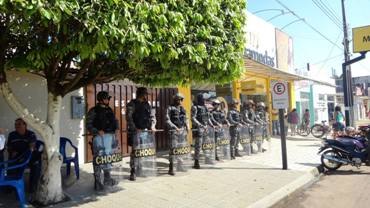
x=103, y=95
x=141, y=91
x=178, y=96
x=201, y=98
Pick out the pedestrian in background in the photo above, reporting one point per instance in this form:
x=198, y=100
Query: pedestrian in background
x=293, y=120
x=306, y=119
x=338, y=125
x=275, y=122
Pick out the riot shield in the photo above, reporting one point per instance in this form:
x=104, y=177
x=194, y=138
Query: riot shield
x=259, y=131
x=105, y=153
x=180, y=150
x=145, y=154
x=208, y=145
x=245, y=140
x=223, y=143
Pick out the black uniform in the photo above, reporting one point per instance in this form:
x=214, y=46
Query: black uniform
x=218, y=117
x=235, y=120
x=201, y=121
x=176, y=119
x=102, y=118
x=139, y=116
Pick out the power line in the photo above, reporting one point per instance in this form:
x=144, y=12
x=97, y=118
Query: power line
x=327, y=59
x=309, y=25
x=331, y=11
x=327, y=13
x=321, y=61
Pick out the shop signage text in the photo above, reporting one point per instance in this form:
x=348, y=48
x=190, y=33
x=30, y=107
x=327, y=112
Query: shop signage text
x=361, y=39
x=261, y=58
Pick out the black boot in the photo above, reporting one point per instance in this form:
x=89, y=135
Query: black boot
x=132, y=175
x=170, y=171
x=108, y=180
x=196, y=164
x=98, y=186
x=232, y=154
x=237, y=153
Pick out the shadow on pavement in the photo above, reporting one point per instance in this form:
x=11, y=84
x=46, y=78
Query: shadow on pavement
x=8, y=198
x=347, y=172
x=308, y=145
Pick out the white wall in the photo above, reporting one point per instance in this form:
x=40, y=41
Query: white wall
x=321, y=106
x=32, y=92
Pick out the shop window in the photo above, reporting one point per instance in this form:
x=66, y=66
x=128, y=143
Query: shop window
x=321, y=97
x=305, y=95
x=331, y=98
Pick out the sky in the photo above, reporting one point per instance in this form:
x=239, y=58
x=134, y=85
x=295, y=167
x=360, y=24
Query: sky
x=311, y=47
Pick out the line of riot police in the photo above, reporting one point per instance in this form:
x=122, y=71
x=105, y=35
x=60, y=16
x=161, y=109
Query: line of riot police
x=217, y=134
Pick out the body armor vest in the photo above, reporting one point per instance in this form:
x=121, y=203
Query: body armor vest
x=105, y=119
x=219, y=116
x=141, y=116
x=202, y=114
x=235, y=115
x=251, y=115
x=178, y=116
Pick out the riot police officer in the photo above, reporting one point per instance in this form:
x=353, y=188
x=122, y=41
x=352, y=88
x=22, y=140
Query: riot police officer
x=101, y=122
x=218, y=118
x=200, y=119
x=139, y=118
x=261, y=116
x=177, y=123
x=235, y=121
x=247, y=113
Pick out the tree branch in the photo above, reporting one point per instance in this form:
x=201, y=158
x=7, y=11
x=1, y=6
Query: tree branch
x=67, y=88
x=36, y=123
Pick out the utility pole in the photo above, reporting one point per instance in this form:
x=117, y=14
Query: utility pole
x=346, y=74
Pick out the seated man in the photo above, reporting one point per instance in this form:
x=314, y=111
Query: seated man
x=21, y=140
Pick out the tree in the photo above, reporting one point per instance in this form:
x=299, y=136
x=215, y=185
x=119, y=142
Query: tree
x=75, y=43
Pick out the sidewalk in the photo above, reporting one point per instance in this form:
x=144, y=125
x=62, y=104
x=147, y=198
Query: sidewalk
x=249, y=181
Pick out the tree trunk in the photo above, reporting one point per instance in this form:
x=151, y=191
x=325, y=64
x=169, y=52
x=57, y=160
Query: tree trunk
x=50, y=185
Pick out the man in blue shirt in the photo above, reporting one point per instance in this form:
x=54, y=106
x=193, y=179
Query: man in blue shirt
x=20, y=141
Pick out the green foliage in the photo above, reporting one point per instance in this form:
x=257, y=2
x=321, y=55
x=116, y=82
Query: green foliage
x=157, y=42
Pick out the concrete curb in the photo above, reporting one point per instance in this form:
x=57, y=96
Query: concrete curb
x=288, y=190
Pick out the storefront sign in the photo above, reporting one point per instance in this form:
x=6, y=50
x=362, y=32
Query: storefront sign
x=361, y=39
x=284, y=51
x=260, y=38
x=280, y=96
x=259, y=57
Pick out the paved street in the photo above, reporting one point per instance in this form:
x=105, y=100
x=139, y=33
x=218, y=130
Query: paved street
x=237, y=183
x=348, y=187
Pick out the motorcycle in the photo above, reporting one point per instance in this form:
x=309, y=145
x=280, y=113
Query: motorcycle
x=346, y=150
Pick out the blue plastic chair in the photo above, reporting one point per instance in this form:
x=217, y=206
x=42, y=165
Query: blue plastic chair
x=69, y=160
x=15, y=180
